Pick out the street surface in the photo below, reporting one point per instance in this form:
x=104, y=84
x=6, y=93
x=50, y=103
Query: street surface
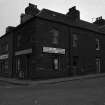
x=79, y=92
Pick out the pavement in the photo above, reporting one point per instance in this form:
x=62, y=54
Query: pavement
x=49, y=81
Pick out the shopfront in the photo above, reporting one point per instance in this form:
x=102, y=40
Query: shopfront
x=52, y=63
x=22, y=62
x=4, y=65
x=55, y=55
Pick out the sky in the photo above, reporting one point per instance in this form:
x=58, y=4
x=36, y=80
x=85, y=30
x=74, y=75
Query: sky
x=10, y=10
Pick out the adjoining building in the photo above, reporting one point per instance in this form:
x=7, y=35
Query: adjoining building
x=48, y=44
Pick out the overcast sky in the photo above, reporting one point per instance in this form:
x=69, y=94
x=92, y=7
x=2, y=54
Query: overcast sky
x=10, y=10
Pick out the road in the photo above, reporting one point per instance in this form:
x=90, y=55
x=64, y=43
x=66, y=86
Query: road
x=80, y=92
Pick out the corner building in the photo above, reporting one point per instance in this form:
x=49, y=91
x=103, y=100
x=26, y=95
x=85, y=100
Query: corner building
x=50, y=45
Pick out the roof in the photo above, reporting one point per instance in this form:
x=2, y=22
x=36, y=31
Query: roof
x=87, y=25
x=62, y=18
x=55, y=16
x=102, y=28
x=58, y=17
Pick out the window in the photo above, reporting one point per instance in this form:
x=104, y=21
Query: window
x=75, y=63
x=6, y=48
x=98, y=65
x=56, y=64
x=75, y=40
x=55, y=34
x=18, y=40
x=55, y=61
x=17, y=65
x=97, y=44
x=75, y=60
x=6, y=66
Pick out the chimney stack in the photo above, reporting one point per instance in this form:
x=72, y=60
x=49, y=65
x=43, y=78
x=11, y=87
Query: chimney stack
x=9, y=28
x=30, y=12
x=73, y=13
x=99, y=21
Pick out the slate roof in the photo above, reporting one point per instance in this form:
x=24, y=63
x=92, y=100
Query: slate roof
x=58, y=17
x=55, y=16
x=102, y=28
x=63, y=19
x=87, y=25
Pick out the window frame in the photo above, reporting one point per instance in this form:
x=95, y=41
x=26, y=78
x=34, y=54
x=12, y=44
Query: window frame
x=74, y=40
x=97, y=44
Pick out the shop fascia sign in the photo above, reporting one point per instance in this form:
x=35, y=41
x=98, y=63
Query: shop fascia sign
x=53, y=50
x=4, y=56
x=26, y=51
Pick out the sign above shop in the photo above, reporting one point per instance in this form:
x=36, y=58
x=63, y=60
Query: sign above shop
x=4, y=56
x=26, y=51
x=53, y=50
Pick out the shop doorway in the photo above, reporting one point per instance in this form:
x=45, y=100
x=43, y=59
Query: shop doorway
x=22, y=66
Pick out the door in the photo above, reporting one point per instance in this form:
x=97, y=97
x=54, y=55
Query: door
x=22, y=66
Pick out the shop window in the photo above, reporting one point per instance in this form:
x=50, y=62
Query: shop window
x=0, y=66
x=56, y=64
x=75, y=60
x=17, y=65
x=75, y=65
x=75, y=40
x=55, y=61
x=6, y=66
x=97, y=44
x=98, y=65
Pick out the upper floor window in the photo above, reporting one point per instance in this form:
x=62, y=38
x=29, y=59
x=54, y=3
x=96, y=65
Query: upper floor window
x=97, y=44
x=18, y=40
x=6, y=64
x=75, y=40
x=55, y=35
x=6, y=47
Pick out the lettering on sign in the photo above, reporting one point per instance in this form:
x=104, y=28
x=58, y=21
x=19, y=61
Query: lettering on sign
x=4, y=56
x=53, y=50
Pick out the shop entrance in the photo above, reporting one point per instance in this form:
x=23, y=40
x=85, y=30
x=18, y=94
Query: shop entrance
x=22, y=66
x=4, y=67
